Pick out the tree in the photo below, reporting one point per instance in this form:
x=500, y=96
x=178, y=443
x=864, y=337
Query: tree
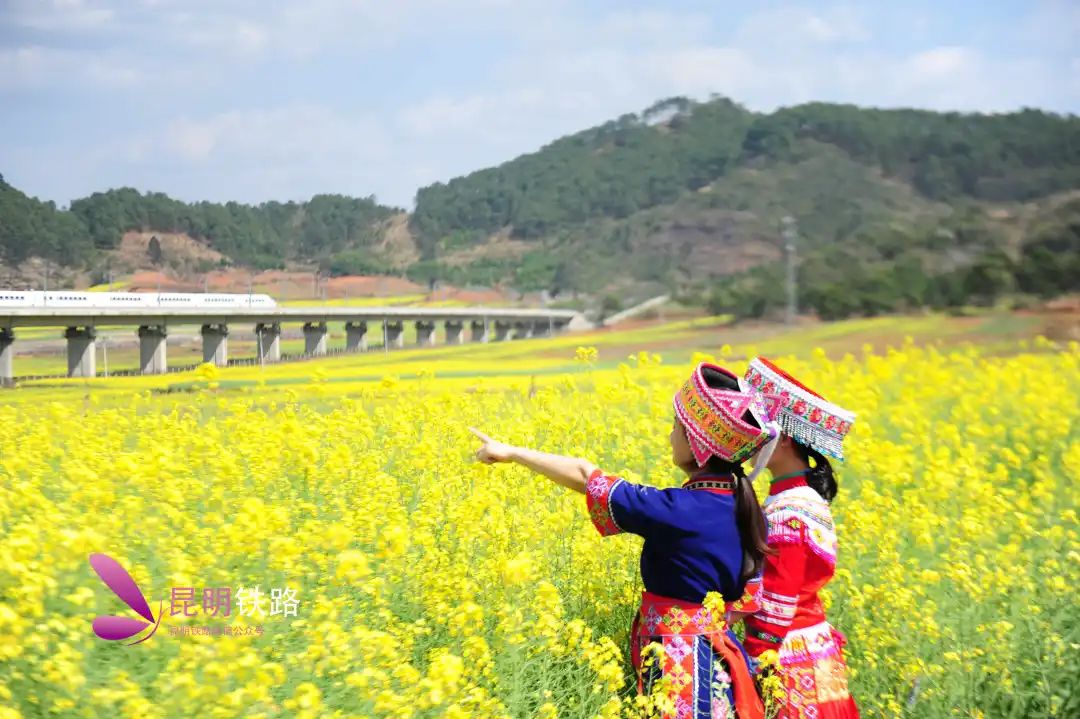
x=610, y=305
x=154, y=249
x=1050, y=261
x=990, y=277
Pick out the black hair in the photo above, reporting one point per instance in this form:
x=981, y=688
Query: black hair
x=753, y=530
x=820, y=477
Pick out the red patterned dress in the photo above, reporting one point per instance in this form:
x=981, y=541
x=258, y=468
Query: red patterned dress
x=792, y=619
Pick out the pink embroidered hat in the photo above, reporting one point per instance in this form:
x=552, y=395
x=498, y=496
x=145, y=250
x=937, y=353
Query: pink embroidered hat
x=805, y=416
x=713, y=417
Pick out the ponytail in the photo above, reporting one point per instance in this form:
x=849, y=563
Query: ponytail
x=820, y=477
x=753, y=529
x=749, y=518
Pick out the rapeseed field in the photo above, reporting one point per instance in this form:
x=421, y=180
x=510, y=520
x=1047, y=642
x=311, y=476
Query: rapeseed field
x=410, y=581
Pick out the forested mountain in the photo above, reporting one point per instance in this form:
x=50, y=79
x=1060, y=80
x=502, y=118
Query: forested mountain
x=895, y=209
x=263, y=236
x=29, y=227
x=635, y=162
x=608, y=171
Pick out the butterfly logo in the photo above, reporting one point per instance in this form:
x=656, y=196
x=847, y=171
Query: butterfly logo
x=123, y=586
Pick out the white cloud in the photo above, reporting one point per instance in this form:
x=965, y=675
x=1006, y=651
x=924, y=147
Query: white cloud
x=305, y=29
x=36, y=66
x=651, y=27
x=964, y=79
x=289, y=133
x=1052, y=25
x=785, y=29
x=226, y=36
x=287, y=152
x=940, y=63
x=554, y=68
x=442, y=114
x=698, y=71
x=58, y=15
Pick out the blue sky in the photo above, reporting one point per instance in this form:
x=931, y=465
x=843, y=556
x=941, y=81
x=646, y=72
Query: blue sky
x=252, y=100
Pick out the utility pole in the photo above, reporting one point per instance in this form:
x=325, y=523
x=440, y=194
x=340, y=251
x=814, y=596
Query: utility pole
x=791, y=236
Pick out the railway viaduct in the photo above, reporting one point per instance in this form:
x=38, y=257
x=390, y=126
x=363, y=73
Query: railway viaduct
x=152, y=323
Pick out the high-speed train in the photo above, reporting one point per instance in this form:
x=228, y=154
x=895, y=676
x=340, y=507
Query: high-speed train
x=119, y=300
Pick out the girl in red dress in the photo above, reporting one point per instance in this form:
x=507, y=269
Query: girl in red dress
x=791, y=619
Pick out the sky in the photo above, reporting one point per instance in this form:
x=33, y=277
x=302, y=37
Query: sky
x=255, y=100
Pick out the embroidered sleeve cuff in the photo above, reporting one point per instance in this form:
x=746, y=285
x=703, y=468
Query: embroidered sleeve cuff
x=598, y=491
x=749, y=602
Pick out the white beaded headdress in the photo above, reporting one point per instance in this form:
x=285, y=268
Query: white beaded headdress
x=805, y=416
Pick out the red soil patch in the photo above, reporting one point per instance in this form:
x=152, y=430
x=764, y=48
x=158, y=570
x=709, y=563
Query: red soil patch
x=179, y=251
x=154, y=281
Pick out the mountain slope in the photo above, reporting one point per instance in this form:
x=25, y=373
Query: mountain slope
x=895, y=208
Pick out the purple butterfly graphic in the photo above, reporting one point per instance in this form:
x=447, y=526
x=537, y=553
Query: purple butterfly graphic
x=120, y=582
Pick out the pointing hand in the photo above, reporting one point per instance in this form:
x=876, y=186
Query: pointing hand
x=491, y=451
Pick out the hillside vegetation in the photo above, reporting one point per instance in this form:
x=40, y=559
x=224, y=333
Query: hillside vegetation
x=896, y=209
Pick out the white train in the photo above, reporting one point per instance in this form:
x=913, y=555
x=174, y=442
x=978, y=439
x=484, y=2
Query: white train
x=118, y=300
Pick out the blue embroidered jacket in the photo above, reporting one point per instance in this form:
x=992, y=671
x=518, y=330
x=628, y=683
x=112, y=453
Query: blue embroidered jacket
x=692, y=543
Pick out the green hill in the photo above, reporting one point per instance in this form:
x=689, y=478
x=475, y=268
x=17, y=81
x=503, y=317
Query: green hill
x=262, y=236
x=895, y=209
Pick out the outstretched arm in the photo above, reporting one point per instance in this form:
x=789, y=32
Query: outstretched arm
x=570, y=472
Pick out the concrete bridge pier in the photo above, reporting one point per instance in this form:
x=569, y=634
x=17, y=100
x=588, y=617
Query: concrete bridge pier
x=425, y=333
x=355, y=336
x=268, y=341
x=523, y=330
x=81, y=354
x=215, y=344
x=152, y=354
x=454, y=332
x=394, y=334
x=542, y=328
x=7, y=357
x=479, y=331
x=502, y=331
x=315, y=338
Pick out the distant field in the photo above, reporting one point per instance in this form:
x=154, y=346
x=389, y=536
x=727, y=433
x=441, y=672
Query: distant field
x=118, y=286
x=54, y=361
x=674, y=341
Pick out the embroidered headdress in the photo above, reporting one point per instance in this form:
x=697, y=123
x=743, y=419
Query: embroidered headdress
x=714, y=423
x=806, y=416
